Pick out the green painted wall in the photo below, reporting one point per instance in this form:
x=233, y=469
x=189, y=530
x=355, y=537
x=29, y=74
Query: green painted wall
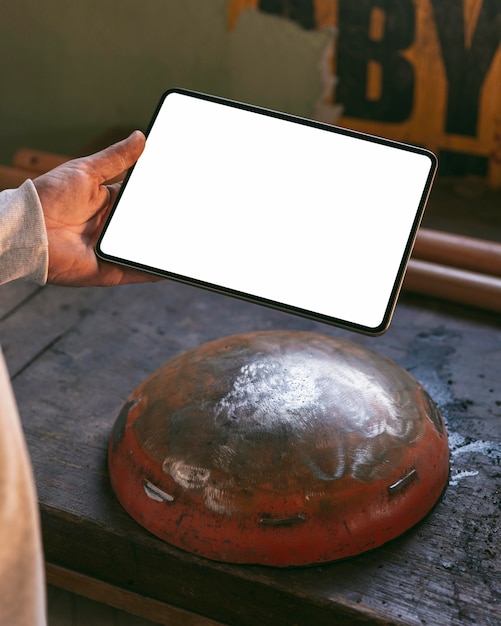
x=71, y=70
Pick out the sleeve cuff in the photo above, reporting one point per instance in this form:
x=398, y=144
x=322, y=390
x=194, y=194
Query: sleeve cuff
x=24, y=250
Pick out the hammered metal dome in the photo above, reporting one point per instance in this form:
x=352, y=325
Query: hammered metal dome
x=279, y=448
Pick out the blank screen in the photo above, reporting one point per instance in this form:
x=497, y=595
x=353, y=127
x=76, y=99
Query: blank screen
x=294, y=214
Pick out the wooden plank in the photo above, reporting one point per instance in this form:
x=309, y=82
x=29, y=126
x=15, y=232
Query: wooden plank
x=67, y=609
x=77, y=354
x=446, y=570
x=37, y=160
x=13, y=294
x=474, y=207
x=12, y=177
x=34, y=327
x=473, y=243
x=118, y=598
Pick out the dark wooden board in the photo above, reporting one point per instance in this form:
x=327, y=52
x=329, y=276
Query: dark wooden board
x=466, y=206
x=447, y=570
x=13, y=295
x=36, y=317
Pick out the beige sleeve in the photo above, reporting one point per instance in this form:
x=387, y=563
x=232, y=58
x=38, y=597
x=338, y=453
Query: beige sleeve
x=23, y=254
x=22, y=583
x=23, y=238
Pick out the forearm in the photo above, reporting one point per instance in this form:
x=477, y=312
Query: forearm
x=23, y=237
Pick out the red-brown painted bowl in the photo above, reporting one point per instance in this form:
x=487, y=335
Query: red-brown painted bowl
x=279, y=448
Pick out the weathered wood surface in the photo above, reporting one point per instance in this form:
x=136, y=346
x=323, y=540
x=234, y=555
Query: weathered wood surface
x=69, y=609
x=76, y=354
x=447, y=570
x=97, y=603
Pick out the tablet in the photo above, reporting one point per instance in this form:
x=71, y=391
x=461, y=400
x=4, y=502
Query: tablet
x=287, y=212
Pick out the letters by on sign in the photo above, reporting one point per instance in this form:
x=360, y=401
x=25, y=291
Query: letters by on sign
x=422, y=71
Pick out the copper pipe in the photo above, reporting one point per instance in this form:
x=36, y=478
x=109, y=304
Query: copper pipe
x=457, y=285
x=469, y=253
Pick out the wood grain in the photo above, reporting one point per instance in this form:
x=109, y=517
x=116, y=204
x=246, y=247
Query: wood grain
x=13, y=177
x=37, y=160
x=111, y=597
x=76, y=355
x=52, y=311
x=70, y=609
x=446, y=570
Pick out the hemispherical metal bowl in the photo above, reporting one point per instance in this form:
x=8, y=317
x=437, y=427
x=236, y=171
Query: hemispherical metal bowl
x=279, y=448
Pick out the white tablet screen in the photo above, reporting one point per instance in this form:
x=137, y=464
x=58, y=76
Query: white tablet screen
x=302, y=216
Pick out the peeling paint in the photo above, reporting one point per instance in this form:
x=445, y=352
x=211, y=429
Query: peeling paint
x=460, y=445
x=460, y=475
x=155, y=493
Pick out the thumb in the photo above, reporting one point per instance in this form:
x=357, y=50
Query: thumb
x=110, y=163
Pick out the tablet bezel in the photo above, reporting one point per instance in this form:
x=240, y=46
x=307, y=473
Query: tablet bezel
x=349, y=324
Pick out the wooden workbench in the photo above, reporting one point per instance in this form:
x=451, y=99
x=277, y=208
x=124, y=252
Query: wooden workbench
x=76, y=354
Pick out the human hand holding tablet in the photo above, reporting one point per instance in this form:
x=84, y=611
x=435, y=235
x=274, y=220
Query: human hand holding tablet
x=301, y=216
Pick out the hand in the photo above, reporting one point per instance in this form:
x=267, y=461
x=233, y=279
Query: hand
x=76, y=202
